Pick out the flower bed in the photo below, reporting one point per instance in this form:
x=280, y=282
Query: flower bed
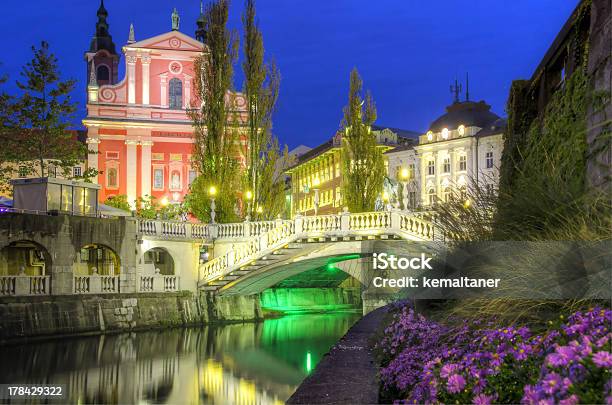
x=423, y=361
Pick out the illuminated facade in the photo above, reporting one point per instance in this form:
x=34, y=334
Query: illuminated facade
x=461, y=147
x=318, y=172
x=139, y=128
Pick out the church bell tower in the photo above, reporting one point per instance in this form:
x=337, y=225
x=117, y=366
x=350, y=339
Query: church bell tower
x=102, y=56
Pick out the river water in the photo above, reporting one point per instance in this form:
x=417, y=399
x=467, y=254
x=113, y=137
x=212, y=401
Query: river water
x=251, y=363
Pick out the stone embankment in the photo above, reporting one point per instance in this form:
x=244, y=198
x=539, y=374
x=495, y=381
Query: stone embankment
x=348, y=373
x=45, y=316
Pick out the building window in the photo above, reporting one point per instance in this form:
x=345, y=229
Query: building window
x=112, y=155
x=431, y=168
x=112, y=179
x=76, y=171
x=102, y=73
x=431, y=194
x=23, y=171
x=446, y=165
x=463, y=192
x=52, y=171
x=158, y=178
x=489, y=158
x=176, y=94
x=175, y=180
x=462, y=163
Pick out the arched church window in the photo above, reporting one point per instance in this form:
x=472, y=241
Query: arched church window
x=102, y=73
x=176, y=94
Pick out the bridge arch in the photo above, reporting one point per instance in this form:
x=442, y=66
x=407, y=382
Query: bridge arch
x=158, y=258
x=98, y=259
x=25, y=257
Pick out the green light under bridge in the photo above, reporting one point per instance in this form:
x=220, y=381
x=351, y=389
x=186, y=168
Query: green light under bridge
x=331, y=263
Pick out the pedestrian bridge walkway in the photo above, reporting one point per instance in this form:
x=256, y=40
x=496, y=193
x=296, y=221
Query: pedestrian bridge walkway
x=249, y=248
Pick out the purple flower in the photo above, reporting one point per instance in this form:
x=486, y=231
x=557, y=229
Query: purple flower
x=483, y=399
x=447, y=370
x=552, y=383
x=455, y=383
x=603, y=360
x=571, y=400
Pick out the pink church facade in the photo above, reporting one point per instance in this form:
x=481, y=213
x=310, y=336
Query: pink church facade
x=139, y=127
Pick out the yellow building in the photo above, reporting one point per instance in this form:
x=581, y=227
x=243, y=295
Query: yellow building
x=317, y=174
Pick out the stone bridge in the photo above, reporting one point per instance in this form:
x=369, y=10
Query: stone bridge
x=44, y=254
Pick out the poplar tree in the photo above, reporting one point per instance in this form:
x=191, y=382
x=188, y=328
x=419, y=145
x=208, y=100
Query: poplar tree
x=215, y=125
x=264, y=176
x=38, y=135
x=362, y=160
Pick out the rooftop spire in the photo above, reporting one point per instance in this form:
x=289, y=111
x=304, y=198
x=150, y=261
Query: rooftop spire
x=176, y=20
x=200, y=33
x=131, y=36
x=467, y=87
x=102, y=38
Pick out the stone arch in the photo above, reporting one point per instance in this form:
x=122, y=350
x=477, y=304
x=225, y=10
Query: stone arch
x=25, y=257
x=158, y=258
x=98, y=259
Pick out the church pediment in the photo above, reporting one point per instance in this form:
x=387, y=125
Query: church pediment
x=173, y=40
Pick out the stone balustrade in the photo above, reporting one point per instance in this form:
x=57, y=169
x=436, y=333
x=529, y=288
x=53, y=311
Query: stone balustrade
x=159, y=283
x=24, y=285
x=96, y=284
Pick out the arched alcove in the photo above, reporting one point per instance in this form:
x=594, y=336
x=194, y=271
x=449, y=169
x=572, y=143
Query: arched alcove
x=97, y=259
x=27, y=256
x=158, y=258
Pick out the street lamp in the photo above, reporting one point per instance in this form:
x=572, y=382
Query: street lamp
x=259, y=210
x=212, y=192
x=249, y=197
x=405, y=176
x=315, y=186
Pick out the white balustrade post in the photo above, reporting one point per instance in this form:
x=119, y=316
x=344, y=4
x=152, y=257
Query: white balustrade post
x=395, y=220
x=299, y=224
x=188, y=228
x=279, y=221
x=263, y=241
x=158, y=281
x=22, y=285
x=95, y=283
x=247, y=227
x=345, y=220
x=213, y=231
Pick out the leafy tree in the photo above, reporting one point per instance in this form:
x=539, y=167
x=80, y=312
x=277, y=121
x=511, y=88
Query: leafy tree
x=40, y=117
x=6, y=123
x=119, y=201
x=362, y=160
x=215, y=129
x=264, y=160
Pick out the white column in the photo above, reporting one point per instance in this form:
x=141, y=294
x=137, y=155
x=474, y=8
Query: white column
x=131, y=76
x=92, y=146
x=164, y=90
x=145, y=168
x=146, y=64
x=131, y=169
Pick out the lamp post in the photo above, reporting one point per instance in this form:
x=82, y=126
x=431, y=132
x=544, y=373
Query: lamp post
x=405, y=175
x=212, y=192
x=315, y=186
x=259, y=211
x=249, y=197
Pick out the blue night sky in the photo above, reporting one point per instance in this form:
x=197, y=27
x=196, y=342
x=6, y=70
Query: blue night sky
x=408, y=52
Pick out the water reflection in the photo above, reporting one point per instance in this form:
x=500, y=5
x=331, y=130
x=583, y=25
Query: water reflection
x=246, y=364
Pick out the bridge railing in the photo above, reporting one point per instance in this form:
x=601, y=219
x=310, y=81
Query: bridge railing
x=173, y=229
x=24, y=285
x=96, y=284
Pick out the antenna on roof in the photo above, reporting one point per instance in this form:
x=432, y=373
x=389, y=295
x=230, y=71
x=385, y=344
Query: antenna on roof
x=455, y=90
x=467, y=87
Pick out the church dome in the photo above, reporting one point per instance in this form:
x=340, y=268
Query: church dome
x=467, y=113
